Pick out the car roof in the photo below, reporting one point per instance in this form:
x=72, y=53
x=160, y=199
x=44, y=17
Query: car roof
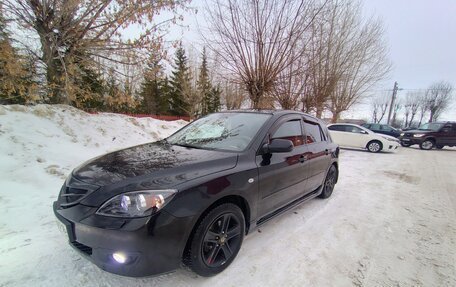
x=272, y=112
x=338, y=124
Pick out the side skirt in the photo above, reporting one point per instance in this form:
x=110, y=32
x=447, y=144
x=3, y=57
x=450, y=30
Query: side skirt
x=289, y=206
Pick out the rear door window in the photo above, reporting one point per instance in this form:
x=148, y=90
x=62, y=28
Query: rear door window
x=340, y=128
x=375, y=127
x=313, y=132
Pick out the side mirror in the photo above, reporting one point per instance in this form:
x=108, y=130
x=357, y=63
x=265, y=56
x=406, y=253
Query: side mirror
x=278, y=145
x=364, y=132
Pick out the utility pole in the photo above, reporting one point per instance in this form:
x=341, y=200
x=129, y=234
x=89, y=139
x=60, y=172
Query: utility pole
x=393, y=98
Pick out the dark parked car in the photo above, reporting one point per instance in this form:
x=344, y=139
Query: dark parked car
x=192, y=197
x=383, y=129
x=427, y=136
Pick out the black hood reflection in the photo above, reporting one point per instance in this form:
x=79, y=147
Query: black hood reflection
x=159, y=163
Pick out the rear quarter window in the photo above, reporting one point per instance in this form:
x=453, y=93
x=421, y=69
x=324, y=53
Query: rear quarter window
x=313, y=132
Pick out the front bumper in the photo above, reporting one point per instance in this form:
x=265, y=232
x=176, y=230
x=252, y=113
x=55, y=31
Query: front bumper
x=153, y=245
x=392, y=146
x=411, y=140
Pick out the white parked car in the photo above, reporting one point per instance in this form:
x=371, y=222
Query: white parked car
x=355, y=136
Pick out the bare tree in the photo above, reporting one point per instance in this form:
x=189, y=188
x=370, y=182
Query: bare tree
x=379, y=106
x=80, y=32
x=396, y=108
x=423, y=108
x=366, y=65
x=255, y=39
x=412, y=102
x=291, y=84
x=438, y=98
x=233, y=96
x=347, y=57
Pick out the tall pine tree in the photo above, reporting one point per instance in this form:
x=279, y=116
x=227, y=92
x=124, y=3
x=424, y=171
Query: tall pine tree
x=204, y=86
x=16, y=85
x=210, y=95
x=180, y=84
x=154, y=90
x=215, y=99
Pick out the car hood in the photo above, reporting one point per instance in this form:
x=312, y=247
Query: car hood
x=417, y=131
x=387, y=137
x=154, y=165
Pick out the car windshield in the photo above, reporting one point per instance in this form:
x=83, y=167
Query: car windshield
x=431, y=127
x=224, y=131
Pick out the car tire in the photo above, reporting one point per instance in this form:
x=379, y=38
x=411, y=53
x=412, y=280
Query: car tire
x=374, y=146
x=427, y=144
x=405, y=144
x=217, y=240
x=329, y=183
x=439, y=146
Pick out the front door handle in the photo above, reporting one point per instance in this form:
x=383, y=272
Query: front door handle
x=326, y=151
x=302, y=159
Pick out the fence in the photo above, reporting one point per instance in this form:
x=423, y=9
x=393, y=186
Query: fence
x=158, y=117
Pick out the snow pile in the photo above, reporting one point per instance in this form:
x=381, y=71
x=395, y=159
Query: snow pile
x=40, y=145
x=55, y=139
x=390, y=222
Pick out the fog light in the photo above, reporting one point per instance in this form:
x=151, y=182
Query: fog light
x=120, y=257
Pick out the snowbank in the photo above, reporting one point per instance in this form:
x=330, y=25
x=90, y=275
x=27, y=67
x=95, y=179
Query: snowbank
x=40, y=145
x=390, y=222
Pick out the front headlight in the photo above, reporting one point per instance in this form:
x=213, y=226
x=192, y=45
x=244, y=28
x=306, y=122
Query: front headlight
x=418, y=135
x=402, y=134
x=390, y=139
x=137, y=203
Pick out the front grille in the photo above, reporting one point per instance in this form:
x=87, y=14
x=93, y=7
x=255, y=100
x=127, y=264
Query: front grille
x=70, y=196
x=83, y=248
x=408, y=135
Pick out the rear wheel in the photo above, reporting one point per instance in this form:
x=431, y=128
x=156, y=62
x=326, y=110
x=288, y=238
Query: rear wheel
x=330, y=182
x=217, y=240
x=427, y=144
x=374, y=146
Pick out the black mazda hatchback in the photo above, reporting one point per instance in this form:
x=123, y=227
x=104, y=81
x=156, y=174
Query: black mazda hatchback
x=191, y=198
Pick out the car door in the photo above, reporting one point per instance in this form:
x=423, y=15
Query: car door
x=282, y=176
x=446, y=135
x=356, y=136
x=387, y=130
x=338, y=134
x=318, y=157
x=348, y=136
x=376, y=128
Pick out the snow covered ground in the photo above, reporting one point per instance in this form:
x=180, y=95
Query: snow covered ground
x=390, y=222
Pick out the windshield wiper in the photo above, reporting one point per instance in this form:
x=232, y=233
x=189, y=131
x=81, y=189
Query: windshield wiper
x=193, y=146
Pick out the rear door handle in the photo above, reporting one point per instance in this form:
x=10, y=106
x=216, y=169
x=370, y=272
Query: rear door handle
x=326, y=151
x=302, y=159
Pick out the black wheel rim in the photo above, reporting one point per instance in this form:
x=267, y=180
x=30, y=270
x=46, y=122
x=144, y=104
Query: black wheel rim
x=222, y=240
x=330, y=181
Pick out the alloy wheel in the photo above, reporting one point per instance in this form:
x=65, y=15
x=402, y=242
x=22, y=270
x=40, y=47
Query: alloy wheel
x=221, y=239
x=374, y=147
x=427, y=145
x=330, y=182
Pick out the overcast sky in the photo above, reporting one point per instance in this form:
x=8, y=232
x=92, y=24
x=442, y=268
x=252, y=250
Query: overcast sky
x=421, y=35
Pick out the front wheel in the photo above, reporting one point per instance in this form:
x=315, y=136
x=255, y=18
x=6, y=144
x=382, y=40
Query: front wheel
x=217, y=240
x=404, y=144
x=374, y=146
x=427, y=145
x=330, y=182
